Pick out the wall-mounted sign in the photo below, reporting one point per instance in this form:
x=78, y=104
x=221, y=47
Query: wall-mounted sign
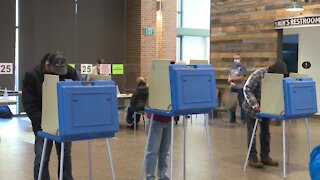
x=302, y=21
x=86, y=68
x=6, y=68
x=117, y=68
x=306, y=65
x=149, y=31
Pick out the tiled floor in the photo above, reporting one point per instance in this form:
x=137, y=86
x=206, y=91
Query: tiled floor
x=16, y=152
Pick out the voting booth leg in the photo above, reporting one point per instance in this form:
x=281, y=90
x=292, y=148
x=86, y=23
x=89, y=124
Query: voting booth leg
x=308, y=135
x=89, y=160
x=184, y=146
x=134, y=122
x=61, y=161
x=110, y=159
x=209, y=144
x=284, y=148
x=250, y=145
x=172, y=135
x=42, y=158
x=145, y=151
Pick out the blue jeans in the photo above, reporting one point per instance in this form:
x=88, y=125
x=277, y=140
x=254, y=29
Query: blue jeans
x=264, y=138
x=232, y=112
x=157, y=149
x=67, y=172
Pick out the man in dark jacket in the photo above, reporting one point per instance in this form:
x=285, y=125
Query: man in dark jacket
x=51, y=63
x=138, y=101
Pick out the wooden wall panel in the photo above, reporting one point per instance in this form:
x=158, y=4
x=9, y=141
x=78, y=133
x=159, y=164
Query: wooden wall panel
x=246, y=27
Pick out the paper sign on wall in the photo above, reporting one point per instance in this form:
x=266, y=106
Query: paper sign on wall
x=105, y=69
x=6, y=68
x=117, y=68
x=72, y=65
x=86, y=68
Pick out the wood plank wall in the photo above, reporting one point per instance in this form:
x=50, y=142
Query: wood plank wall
x=246, y=27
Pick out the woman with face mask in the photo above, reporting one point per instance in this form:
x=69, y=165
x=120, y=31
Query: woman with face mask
x=236, y=81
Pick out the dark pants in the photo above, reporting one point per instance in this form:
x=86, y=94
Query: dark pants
x=130, y=117
x=264, y=138
x=67, y=171
x=232, y=111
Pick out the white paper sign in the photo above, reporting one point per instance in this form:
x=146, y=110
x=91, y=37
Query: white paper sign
x=6, y=68
x=86, y=68
x=105, y=69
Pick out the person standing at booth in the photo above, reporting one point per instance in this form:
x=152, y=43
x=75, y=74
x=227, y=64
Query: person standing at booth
x=96, y=69
x=236, y=81
x=251, y=106
x=158, y=145
x=51, y=63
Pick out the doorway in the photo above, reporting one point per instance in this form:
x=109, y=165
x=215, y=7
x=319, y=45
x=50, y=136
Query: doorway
x=290, y=48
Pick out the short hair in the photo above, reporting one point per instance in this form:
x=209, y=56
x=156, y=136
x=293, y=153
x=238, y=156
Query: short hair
x=141, y=81
x=100, y=61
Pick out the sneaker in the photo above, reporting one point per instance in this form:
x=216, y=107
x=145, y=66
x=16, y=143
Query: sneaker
x=255, y=163
x=269, y=162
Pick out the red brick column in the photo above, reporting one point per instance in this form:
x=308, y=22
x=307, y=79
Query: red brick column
x=141, y=48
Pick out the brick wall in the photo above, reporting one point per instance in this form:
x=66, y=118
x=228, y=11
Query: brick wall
x=141, y=48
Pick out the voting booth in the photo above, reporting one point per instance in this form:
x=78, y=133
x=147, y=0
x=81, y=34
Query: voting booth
x=78, y=110
x=286, y=99
x=182, y=89
x=179, y=89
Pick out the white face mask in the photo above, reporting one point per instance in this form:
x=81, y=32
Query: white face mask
x=237, y=61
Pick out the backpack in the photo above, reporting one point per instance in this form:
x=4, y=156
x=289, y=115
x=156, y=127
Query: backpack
x=314, y=165
x=5, y=112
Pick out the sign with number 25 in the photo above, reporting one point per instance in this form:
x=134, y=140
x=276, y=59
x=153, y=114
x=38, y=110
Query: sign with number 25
x=86, y=68
x=6, y=68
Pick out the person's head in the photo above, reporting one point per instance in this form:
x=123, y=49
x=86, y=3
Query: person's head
x=279, y=67
x=100, y=61
x=141, y=81
x=237, y=58
x=55, y=63
x=181, y=62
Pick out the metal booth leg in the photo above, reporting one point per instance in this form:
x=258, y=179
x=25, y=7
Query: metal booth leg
x=250, y=145
x=209, y=144
x=145, y=151
x=110, y=159
x=61, y=161
x=172, y=135
x=184, y=146
x=284, y=148
x=89, y=160
x=42, y=158
x=308, y=135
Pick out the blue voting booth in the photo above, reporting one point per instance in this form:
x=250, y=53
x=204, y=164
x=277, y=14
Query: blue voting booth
x=177, y=89
x=297, y=99
x=78, y=110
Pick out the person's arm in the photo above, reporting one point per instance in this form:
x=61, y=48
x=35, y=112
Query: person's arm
x=134, y=99
x=249, y=88
x=29, y=101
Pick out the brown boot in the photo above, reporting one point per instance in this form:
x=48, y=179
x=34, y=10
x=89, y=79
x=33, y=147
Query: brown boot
x=269, y=162
x=255, y=163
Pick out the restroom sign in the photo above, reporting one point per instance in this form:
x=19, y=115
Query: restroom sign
x=301, y=21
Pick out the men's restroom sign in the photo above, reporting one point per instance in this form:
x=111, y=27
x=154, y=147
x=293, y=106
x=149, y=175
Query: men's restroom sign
x=6, y=68
x=306, y=65
x=86, y=68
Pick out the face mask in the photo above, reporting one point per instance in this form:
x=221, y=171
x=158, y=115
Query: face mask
x=237, y=61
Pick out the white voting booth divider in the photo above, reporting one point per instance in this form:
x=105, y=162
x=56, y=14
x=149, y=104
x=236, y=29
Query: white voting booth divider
x=177, y=89
x=78, y=110
x=286, y=99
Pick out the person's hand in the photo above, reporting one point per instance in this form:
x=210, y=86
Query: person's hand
x=256, y=107
x=232, y=84
x=229, y=79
